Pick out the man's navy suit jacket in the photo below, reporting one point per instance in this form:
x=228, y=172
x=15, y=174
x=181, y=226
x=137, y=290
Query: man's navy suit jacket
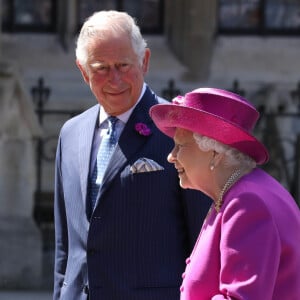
x=143, y=227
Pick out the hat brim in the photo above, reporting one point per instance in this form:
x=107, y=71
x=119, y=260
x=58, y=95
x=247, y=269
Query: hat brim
x=168, y=117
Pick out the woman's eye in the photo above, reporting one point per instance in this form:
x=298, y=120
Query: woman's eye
x=180, y=146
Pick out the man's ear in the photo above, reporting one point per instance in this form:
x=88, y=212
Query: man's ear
x=83, y=72
x=146, y=60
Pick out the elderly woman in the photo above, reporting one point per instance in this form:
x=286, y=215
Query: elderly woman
x=249, y=245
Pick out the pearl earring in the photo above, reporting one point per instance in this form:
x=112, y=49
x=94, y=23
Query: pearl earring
x=212, y=167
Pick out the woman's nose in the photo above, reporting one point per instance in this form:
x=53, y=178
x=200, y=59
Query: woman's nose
x=171, y=159
x=172, y=155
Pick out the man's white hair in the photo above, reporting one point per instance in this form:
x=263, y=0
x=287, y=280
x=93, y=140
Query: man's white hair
x=103, y=22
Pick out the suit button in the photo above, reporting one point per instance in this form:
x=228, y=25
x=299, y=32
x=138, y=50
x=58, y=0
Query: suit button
x=188, y=260
x=86, y=289
x=183, y=275
x=181, y=289
x=91, y=251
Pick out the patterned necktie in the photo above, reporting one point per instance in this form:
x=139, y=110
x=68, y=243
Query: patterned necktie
x=106, y=148
x=105, y=151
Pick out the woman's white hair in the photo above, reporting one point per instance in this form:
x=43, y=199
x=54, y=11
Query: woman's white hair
x=113, y=22
x=233, y=157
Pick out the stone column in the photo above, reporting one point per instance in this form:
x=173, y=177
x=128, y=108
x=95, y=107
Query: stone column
x=20, y=240
x=190, y=29
x=67, y=22
x=0, y=25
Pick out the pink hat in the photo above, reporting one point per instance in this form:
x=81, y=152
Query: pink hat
x=215, y=113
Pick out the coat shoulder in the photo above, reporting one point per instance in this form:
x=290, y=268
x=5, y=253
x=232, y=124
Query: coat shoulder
x=80, y=119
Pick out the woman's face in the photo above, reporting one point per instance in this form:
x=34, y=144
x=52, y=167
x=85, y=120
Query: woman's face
x=191, y=163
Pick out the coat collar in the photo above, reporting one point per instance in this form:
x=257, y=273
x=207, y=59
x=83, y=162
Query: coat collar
x=130, y=140
x=85, y=142
x=128, y=145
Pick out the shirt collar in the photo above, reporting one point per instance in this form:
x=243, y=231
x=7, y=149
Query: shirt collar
x=124, y=116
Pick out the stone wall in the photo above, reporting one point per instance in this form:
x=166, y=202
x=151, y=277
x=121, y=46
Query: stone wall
x=20, y=240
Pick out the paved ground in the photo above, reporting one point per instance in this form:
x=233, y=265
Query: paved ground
x=25, y=295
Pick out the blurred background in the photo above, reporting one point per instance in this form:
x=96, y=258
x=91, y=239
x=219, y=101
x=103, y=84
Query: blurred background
x=249, y=47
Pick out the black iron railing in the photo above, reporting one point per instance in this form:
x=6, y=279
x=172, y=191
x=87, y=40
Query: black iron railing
x=45, y=152
x=283, y=167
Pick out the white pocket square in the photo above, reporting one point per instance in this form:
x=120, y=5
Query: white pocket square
x=145, y=165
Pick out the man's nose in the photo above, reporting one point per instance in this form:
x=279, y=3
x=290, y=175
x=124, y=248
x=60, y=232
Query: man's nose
x=114, y=74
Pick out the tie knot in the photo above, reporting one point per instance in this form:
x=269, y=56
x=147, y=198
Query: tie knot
x=112, y=121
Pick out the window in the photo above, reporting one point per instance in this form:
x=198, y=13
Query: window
x=259, y=16
x=29, y=15
x=283, y=14
x=148, y=13
x=87, y=7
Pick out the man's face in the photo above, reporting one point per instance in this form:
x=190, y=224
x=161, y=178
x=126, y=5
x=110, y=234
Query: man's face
x=114, y=73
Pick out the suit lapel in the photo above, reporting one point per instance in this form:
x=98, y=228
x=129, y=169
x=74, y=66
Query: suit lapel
x=85, y=141
x=130, y=140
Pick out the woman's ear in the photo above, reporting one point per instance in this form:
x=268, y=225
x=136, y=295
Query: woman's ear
x=216, y=159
